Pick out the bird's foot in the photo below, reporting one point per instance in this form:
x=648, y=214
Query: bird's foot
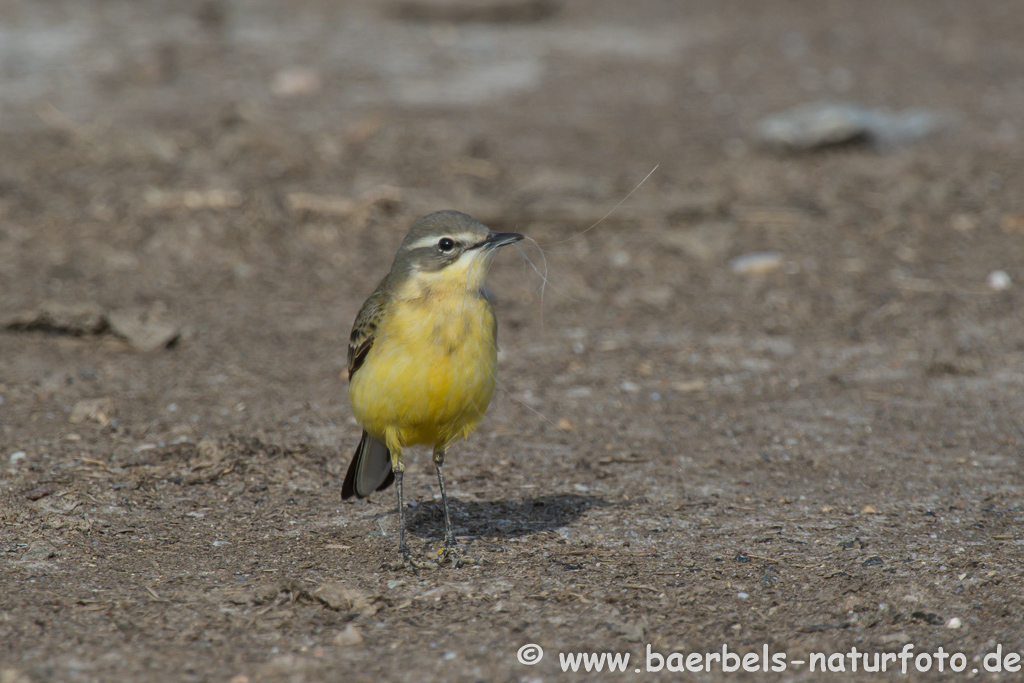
x=451, y=552
x=408, y=562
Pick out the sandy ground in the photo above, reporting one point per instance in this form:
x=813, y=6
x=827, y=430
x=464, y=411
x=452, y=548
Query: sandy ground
x=811, y=452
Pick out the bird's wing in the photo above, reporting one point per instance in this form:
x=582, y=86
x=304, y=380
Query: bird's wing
x=364, y=331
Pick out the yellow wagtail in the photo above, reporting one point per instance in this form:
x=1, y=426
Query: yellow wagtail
x=422, y=356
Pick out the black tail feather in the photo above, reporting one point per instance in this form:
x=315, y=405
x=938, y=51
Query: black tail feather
x=370, y=464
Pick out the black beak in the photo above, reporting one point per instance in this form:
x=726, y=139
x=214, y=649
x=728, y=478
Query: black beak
x=499, y=239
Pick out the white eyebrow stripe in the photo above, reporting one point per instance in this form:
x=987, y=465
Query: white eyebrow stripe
x=467, y=238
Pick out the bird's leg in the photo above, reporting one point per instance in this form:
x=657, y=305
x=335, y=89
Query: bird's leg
x=398, y=467
x=451, y=546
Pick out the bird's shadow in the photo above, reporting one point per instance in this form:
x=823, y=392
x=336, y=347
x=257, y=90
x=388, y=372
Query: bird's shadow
x=500, y=518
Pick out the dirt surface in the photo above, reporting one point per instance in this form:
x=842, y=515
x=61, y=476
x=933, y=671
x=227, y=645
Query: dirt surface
x=814, y=450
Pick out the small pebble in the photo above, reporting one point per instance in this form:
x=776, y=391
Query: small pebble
x=143, y=328
x=690, y=386
x=39, y=551
x=619, y=259
x=40, y=492
x=631, y=387
x=99, y=410
x=822, y=124
x=742, y=596
x=295, y=82
x=16, y=456
x=954, y=623
x=350, y=636
x=998, y=280
x=759, y=263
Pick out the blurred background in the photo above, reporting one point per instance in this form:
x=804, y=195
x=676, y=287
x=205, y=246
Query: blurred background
x=243, y=171
x=819, y=284
x=157, y=148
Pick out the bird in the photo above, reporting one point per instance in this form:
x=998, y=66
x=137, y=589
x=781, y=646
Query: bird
x=422, y=357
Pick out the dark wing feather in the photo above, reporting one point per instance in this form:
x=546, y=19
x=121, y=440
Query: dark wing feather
x=370, y=469
x=364, y=331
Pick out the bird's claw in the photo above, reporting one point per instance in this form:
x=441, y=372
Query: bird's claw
x=408, y=562
x=450, y=552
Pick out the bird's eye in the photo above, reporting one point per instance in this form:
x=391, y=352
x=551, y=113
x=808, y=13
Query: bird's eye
x=446, y=244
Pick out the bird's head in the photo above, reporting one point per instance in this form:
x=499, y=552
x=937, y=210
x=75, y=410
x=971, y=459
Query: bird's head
x=449, y=249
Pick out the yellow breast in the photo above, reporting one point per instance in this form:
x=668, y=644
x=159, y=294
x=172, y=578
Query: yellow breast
x=430, y=374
